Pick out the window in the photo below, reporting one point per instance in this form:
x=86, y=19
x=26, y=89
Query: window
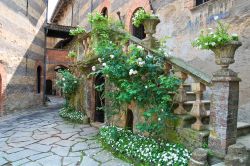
x=137, y=31
x=199, y=2
x=104, y=12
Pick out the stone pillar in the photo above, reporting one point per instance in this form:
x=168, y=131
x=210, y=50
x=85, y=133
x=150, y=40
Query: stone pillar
x=199, y=158
x=237, y=155
x=224, y=112
x=224, y=101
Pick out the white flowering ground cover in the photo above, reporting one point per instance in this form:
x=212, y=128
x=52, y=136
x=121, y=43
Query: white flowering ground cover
x=146, y=150
x=72, y=115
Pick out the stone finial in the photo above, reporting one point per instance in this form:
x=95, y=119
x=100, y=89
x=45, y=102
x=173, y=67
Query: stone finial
x=198, y=109
x=237, y=155
x=199, y=158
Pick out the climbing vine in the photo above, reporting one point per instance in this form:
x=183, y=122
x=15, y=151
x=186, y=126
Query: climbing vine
x=136, y=76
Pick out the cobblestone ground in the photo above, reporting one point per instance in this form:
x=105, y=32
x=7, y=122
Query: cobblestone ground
x=44, y=138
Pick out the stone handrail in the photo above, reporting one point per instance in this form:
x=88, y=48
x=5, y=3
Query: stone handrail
x=198, y=75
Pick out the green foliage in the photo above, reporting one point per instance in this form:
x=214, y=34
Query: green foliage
x=69, y=113
x=77, y=31
x=209, y=39
x=139, y=16
x=135, y=75
x=147, y=150
x=67, y=82
x=72, y=54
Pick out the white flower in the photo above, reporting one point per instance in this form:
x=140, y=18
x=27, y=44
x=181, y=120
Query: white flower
x=141, y=63
x=63, y=79
x=210, y=29
x=112, y=56
x=213, y=43
x=206, y=44
x=216, y=18
x=104, y=64
x=131, y=72
x=100, y=60
x=139, y=59
x=75, y=81
x=159, y=119
x=140, y=47
x=146, y=87
x=235, y=35
x=93, y=68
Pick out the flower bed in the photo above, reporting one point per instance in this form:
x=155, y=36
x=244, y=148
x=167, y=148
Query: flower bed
x=146, y=150
x=72, y=115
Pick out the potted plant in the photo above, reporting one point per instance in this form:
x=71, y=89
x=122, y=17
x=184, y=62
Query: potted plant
x=220, y=42
x=149, y=22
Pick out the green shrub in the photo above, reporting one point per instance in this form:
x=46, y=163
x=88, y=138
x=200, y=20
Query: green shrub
x=136, y=75
x=209, y=39
x=77, y=31
x=67, y=82
x=146, y=150
x=139, y=16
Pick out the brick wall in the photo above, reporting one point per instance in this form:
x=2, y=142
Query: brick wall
x=22, y=47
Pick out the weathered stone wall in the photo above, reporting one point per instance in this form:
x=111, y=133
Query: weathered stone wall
x=21, y=52
x=183, y=24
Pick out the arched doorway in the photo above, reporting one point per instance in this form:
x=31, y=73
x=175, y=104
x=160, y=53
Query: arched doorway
x=137, y=31
x=104, y=12
x=38, y=74
x=48, y=87
x=99, y=98
x=129, y=120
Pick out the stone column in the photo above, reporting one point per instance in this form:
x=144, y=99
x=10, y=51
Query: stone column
x=224, y=102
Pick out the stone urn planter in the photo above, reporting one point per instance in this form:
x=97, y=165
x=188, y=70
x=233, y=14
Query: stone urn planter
x=224, y=55
x=150, y=29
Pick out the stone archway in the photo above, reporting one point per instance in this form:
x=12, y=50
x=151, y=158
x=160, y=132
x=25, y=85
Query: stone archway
x=137, y=31
x=38, y=79
x=104, y=12
x=99, y=114
x=48, y=87
x=130, y=120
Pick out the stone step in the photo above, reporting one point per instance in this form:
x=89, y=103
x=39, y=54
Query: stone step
x=245, y=140
x=97, y=125
x=243, y=129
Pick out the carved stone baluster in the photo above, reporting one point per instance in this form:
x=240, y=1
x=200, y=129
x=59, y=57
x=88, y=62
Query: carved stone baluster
x=167, y=68
x=198, y=109
x=181, y=97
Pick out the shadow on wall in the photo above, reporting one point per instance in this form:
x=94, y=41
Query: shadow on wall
x=22, y=55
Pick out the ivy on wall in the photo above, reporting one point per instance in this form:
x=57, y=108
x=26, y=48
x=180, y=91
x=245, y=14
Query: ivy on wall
x=136, y=76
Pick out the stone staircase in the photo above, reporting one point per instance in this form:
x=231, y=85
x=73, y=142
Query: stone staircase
x=243, y=129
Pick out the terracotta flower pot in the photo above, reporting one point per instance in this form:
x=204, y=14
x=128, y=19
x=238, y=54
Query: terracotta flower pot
x=224, y=55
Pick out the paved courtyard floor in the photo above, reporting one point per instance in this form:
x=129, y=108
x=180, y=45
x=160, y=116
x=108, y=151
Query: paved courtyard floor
x=44, y=138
